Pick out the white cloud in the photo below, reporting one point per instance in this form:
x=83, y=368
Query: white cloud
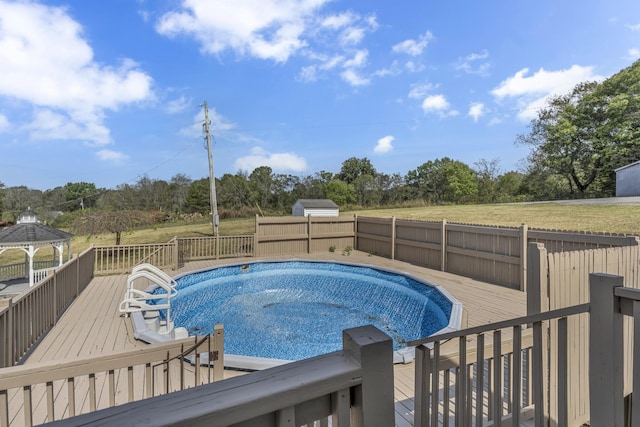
x=419, y=91
x=335, y=22
x=178, y=105
x=531, y=92
x=634, y=27
x=46, y=62
x=438, y=104
x=281, y=162
x=359, y=60
x=354, y=78
x=352, y=36
x=111, y=156
x=4, y=123
x=266, y=29
x=413, y=47
x=633, y=54
x=474, y=64
x=476, y=110
x=384, y=145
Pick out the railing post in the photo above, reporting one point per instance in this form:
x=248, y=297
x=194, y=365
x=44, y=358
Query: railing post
x=606, y=377
x=12, y=336
x=176, y=253
x=524, y=243
x=422, y=386
x=373, y=402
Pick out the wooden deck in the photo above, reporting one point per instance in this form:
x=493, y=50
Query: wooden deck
x=92, y=324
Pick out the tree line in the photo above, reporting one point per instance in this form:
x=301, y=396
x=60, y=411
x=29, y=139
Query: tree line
x=576, y=142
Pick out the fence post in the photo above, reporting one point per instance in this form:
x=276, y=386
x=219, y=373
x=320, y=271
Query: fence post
x=355, y=231
x=606, y=378
x=308, y=234
x=256, y=239
x=373, y=402
x=393, y=237
x=524, y=242
x=537, y=271
x=443, y=245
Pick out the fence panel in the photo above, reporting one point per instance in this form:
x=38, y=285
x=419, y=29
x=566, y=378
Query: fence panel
x=419, y=242
x=485, y=253
x=375, y=236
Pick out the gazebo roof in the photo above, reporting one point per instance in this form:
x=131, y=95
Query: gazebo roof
x=32, y=232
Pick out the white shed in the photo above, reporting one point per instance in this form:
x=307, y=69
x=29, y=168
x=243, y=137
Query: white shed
x=628, y=180
x=315, y=207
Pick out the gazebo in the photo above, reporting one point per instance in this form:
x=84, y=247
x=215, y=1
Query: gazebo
x=30, y=236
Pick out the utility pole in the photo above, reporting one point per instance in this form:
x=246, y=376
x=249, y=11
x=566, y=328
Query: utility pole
x=212, y=179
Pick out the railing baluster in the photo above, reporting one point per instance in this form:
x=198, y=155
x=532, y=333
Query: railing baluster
x=28, y=411
x=340, y=408
x=71, y=395
x=497, y=378
x=286, y=417
x=435, y=384
x=50, y=406
x=422, y=386
x=446, y=389
x=112, y=388
x=461, y=383
x=92, y=392
x=130, y=383
x=538, y=374
x=4, y=408
x=480, y=380
x=516, y=371
x=563, y=402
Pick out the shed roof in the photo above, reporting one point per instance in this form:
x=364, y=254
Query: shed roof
x=626, y=166
x=317, y=203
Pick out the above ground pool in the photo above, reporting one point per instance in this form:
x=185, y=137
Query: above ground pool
x=292, y=310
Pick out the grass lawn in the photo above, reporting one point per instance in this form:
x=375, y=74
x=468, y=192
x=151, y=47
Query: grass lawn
x=621, y=218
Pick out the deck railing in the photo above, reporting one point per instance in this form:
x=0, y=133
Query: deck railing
x=352, y=387
x=31, y=314
x=20, y=270
x=80, y=386
x=495, y=372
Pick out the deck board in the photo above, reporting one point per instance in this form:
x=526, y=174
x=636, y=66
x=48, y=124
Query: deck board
x=93, y=325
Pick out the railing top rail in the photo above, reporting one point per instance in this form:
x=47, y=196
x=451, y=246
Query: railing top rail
x=629, y=293
x=533, y=318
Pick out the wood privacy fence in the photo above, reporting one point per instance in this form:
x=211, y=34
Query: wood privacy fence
x=494, y=254
x=67, y=389
x=559, y=280
x=30, y=315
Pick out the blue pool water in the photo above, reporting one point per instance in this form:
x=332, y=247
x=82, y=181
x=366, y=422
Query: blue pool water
x=296, y=309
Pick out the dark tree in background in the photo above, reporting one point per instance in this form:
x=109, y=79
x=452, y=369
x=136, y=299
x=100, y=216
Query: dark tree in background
x=116, y=222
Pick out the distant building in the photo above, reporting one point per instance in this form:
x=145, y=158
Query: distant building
x=315, y=207
x=628, y=180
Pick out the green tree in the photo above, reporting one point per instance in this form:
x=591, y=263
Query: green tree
x=340, y=192
x=116, y=222
x=583, y=136
x=198, y=197
x=261, y=185
x=443, y=180
x=234, y=192
x=353, y=168
x=1, y=199
x=80, y=195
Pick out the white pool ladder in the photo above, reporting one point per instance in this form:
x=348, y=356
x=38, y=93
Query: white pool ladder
x=136, y=301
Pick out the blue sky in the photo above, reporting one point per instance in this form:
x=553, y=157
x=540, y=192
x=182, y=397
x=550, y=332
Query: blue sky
x=110, y=91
